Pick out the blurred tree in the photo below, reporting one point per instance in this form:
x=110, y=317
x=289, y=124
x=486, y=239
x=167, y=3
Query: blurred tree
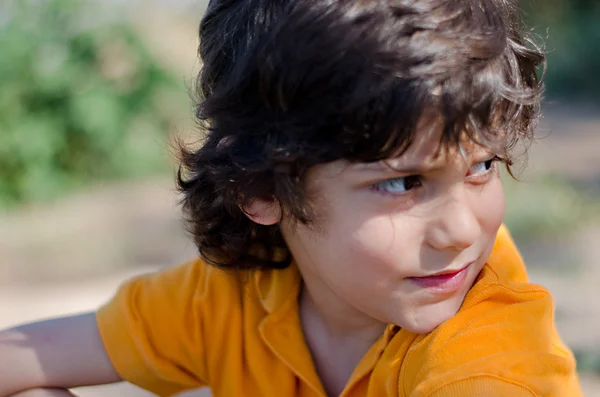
x=78, y=102
x=570, y=31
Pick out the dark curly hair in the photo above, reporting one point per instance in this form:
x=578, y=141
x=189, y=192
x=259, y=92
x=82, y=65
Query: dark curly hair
x=286, y=85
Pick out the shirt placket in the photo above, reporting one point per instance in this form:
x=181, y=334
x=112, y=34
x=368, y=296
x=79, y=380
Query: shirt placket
x=282, y=333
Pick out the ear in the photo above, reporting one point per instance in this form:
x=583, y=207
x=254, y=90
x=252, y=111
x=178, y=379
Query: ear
x=263, y=212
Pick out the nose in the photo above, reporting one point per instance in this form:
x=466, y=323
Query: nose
x=454, y=224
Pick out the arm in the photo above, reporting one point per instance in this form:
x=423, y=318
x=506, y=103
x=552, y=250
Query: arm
x=44, y=393
x=62, y=353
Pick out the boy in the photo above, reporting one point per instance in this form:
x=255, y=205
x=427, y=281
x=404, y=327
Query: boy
x=348, y=201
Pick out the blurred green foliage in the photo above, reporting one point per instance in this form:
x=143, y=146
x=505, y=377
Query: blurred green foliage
x=549, y=205
x=570, y=33
x=78, y=102
x=588, y=361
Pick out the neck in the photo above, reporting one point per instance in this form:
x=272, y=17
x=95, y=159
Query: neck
x=337, y=320
x=337, y=337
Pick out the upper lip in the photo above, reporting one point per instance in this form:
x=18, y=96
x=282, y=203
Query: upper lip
x=445, y=272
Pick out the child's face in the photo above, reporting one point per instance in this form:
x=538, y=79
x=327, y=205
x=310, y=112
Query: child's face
x=379, y=231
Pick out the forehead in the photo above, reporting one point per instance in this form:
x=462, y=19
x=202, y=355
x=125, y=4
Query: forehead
x=428, y=151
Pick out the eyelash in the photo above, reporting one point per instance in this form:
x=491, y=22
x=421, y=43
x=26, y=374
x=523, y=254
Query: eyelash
x=416, y=180
x=492, y=162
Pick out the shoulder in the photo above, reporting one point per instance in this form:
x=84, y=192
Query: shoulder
x=196, y=288
x=503, y=340
x=185, y=293
x=192, y=279
x=503, y=334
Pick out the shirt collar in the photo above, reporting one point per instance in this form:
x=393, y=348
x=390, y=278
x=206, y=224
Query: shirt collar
x=275, y=286
x=505, y=260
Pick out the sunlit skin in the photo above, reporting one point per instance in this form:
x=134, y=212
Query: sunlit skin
x=381, y=223
x=378, y=225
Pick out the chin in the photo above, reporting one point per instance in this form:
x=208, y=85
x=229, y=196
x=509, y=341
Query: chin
x=427, y=319
x=423, y=328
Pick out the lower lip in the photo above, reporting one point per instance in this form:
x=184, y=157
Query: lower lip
x=445, y=283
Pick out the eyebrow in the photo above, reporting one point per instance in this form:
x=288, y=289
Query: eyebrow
x=381, y=167
x=408, y=169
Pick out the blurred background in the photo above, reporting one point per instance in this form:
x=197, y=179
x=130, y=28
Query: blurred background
x=92, y=92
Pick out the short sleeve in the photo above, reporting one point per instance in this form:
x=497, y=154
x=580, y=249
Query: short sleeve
x=482, y=386
x=152, y=330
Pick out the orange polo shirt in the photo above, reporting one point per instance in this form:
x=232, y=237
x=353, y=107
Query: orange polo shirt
x=193, y=325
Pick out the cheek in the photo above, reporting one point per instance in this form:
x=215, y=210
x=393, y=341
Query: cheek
x=497, y=201
x=379, y=244
x=491, y=207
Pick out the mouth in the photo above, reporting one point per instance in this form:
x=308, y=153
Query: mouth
x=443, y=282
x=446, y=272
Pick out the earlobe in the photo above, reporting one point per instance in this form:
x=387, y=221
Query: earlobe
x=263, y=212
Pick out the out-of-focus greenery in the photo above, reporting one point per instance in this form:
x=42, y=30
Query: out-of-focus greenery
x=587, y=361
x=547, y=206
x=78, y=102
x=569, y=29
